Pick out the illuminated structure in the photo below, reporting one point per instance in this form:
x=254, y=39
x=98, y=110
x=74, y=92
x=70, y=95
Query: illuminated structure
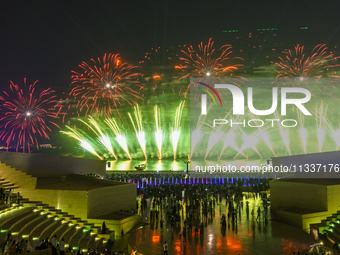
x=59, y=182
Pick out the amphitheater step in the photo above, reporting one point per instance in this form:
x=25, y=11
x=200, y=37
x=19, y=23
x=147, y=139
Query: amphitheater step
x=75, y=238
x=14, y=187
x=7, y=185
x=22, y=222
x=15, y=217
x=69, y=233
x=84, y=241
x=29, y=227
x=92, y=243
x=35, y=235
x=9, y=218
x=101, y=244
x=60, y=230
x=47, y=232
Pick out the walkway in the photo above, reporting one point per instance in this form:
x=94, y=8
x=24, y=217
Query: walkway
x=246, y=236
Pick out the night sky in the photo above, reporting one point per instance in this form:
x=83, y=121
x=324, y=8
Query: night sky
x=45, y=40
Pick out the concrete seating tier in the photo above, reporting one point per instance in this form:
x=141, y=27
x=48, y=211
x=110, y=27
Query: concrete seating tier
x=34, y=221
x=39, y=222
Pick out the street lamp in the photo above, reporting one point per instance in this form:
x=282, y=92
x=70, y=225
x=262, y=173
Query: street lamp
x=187, y=162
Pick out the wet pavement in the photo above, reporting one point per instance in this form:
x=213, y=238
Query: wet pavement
x=249, y=234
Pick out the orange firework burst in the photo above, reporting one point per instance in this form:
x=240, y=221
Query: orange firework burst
x=101, y=86
x=207, y=62
x=296, y=64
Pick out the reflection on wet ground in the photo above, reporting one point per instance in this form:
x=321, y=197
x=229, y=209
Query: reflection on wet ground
x=249, y=234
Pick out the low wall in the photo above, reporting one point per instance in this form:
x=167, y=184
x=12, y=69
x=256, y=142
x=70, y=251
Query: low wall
x=301, y=221
x=287, y=194
x=40, y=165
x=111, y=199
x=22, y=181
x=71, y=201
x=290, y=218
x=118, y=225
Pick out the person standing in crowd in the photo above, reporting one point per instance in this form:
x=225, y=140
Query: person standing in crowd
x=54, y=244
x=9, y=196
x=12, y=248
x=165, y=248
x=62, y=246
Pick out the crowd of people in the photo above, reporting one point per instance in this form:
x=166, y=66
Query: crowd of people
x=187, y=208
x=12, y=246
x=8, y=197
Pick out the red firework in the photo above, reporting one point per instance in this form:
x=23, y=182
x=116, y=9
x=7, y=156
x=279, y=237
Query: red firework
x=102, y=84
x=27, y=115
x=296, y=64
x=207, y=62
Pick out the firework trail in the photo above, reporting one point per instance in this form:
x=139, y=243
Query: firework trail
x=283, y=133
x=102, y=138
x=176, y=130
x=335, y=133
x=216, y=135
x=82, y=141
x=263, y=134
x=158, y=132
x=101, y=85
x=297, y=64
x=302, y=131
x=198, y=134
x=214, y=138
x=27, y=114
x=229, y=140
x=320, y=131
x=249, y=141
x=120, y=138
x=140, y=134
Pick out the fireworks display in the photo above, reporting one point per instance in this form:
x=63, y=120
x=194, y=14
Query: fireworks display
x=82, y=141
x=299, y=64
x=124, y=113
x=103, y=84
x=27, y=114
x=102, y=138
x=158, y=131
x=206, y=61
x=176, y=129
x=138, y=127
x=120, y=138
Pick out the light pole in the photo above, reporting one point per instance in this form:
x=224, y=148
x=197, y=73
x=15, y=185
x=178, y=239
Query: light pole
x=187, y=162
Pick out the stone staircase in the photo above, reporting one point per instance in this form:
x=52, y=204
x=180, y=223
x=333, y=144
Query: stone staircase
x=34, y=221
x=330, y=227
